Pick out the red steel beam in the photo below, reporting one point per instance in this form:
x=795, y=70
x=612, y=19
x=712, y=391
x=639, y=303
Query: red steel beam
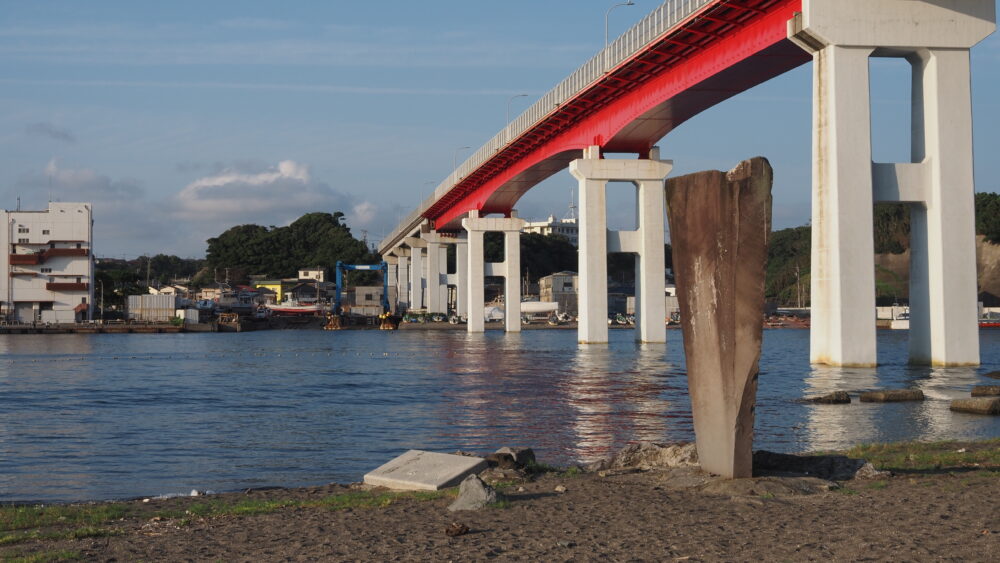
x=634, y=106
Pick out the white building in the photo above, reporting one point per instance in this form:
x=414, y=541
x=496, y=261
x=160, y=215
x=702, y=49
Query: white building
x=318, y=273
x=565, y=227
x=48, y=264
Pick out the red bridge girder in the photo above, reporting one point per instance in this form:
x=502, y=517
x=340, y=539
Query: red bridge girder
x=726, y=48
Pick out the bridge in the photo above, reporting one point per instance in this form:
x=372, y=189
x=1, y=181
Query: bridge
x=682, y=58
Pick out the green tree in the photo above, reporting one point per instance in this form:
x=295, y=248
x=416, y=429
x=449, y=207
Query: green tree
x=315, y=239
x=988, y=216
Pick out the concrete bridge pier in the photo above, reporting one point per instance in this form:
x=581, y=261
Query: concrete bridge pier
x=436, y=278
x=391, y=276
x=401, y=276
x=417, y=246
x=596, y=241
x=478, y=268
x=937, y=182
x=459, y=278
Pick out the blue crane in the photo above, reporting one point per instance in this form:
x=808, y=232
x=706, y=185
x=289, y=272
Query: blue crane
x=341, y=267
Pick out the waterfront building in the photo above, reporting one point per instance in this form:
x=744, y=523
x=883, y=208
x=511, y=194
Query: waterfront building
x=560, y=288
x=566, y=227
x=48, y=262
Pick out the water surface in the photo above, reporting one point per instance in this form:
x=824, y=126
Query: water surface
x=86, y=417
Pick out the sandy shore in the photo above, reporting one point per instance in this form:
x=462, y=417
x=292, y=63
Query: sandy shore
x=942, y=513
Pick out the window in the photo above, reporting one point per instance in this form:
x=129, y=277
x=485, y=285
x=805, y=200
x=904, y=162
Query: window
x=46, y=270
x=22, y=241
x=78, y=280
x=83, y=300
x=78, y=245
x=22, y=229
x=45, y=231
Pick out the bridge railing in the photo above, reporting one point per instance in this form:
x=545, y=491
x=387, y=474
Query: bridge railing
x=655, y=24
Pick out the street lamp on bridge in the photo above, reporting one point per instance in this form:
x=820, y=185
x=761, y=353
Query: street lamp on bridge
x=629, y=3
x=454, y=161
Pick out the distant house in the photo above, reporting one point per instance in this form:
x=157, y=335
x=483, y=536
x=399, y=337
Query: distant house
x=274, y=287
x=317, y=273
x=309, y=291
x=561, y=288
x=175, y=289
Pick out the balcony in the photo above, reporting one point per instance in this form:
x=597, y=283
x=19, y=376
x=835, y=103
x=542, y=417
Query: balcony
x=65, y=286
x=65, y=252
x=25, y=259
x=41, y=257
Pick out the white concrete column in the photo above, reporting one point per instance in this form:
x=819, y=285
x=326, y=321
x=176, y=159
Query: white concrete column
x=646, y=242
x=510, y=268
x=462, y=276
x=436, y=278
x=434, y=303
x=512, y=280
x=943, y=326
x=592, y=294
x=843, y=247
x=476, y=279
x=936, y=37
x=650, y=298
x=402, y=278
x=392, y=279
x=417, y=246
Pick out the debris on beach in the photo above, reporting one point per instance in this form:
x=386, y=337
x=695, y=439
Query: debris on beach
x=978, y=405
x=473, y=494
x=892, y=396
x=835, y=398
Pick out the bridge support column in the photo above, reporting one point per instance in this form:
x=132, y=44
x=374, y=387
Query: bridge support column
x=402, y=280
x=437, y=289
x=596, y=242
x=391, y=276
x=417, y=247
x=937, y=182
x=510, y=268
x=461, y=277
x=475, y=279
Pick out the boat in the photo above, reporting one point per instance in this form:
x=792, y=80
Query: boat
x=291, y=307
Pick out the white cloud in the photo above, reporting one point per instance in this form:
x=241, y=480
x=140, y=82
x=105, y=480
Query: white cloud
x=274, y=196
x=363, y=214
x=81, y=184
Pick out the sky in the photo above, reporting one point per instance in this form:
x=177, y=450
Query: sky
x=180, y=119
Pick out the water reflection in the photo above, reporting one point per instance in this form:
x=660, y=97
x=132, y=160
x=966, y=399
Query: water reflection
x=105, y=416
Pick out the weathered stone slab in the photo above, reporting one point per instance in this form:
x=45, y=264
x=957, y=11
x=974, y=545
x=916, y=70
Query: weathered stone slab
x=986, y=391
x=835, y=398
x=719, y=226
x=892, y=396
x=426, y=471
x=981, y=405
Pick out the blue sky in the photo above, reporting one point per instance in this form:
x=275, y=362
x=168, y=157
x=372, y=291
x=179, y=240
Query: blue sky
x=180, y=119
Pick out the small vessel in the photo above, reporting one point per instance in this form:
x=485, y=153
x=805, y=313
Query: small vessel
x=291, y=307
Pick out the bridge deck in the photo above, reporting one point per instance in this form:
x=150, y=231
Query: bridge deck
x=684, y=57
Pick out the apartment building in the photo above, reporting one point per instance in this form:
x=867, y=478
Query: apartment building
x=48, y=264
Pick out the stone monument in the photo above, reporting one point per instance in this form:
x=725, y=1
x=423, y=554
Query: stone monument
x=719, y=226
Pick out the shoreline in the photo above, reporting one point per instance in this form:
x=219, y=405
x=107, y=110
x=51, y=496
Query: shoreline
x=938, y=504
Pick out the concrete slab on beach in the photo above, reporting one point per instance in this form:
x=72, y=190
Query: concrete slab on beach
x=417, y=470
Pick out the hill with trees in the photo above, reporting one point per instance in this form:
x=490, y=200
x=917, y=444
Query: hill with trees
x=789, y=255
x=315, y=239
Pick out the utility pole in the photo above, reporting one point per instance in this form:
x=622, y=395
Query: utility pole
x=147, y=271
